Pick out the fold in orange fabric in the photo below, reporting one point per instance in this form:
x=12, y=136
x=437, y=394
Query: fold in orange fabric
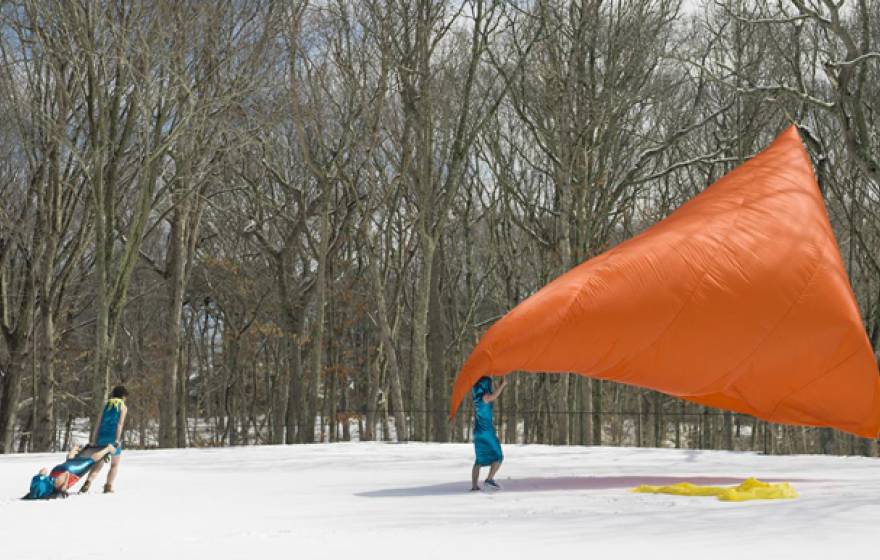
x=738, y=300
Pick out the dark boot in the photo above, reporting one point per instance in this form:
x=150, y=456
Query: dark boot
x=108, y=489
x=85, y=486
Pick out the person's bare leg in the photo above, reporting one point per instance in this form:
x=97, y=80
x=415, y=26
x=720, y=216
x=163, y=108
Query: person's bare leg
x=475, y=476
x=114, y=467
x=93, y=473
x=493, y=469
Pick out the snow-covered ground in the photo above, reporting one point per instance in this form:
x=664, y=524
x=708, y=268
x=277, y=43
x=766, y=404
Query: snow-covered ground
x=375, y=500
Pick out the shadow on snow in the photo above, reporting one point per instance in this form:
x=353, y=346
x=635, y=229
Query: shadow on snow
x=555, y=484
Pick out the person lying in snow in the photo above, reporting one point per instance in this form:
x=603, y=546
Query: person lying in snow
x=486, y=445
x=55, y=483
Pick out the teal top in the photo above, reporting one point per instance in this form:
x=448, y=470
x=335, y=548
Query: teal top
x=109, y=422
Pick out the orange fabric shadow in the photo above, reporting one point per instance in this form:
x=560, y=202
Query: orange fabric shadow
x=737, y=300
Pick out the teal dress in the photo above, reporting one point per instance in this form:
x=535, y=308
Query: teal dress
x=486, y=444
x=109, y=422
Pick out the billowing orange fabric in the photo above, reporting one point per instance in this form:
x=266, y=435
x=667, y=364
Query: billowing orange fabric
x=737, y=300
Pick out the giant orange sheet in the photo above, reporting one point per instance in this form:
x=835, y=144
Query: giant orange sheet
x=737, y=300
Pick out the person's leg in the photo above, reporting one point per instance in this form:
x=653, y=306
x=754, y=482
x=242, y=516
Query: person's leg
x=475, y=476
x=93, y=474
x=493, y=469
x=111, y=476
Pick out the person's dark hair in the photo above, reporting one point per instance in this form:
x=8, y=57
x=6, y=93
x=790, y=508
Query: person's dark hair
x=119, y=392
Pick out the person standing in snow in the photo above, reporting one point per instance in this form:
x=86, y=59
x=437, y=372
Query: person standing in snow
x=109, y=431
x=486, y=445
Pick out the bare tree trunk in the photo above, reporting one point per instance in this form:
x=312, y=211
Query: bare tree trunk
x=176, y=267
x=397, y=402
x=184, y=367
x=280, y=396
x=44, y=431
x=512, y=403
x=437, y=351
x=597, y=412
x=679, y=418
x=659, y=421
x=420, y=339
x=826, y=441
x=313, y=384
x=298, y=427
x=728, y=430
x=17, y=339
x=11, y=388
x=585, y=390
x=369, y=433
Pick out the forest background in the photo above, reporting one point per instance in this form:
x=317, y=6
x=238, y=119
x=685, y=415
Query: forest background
x=290, y=221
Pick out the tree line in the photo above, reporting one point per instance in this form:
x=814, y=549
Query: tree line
x=290, y=221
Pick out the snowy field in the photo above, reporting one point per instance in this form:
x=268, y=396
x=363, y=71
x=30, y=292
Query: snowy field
x=389, y=501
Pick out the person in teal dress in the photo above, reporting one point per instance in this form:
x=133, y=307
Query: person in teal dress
x=486, y=445
x=109, y=431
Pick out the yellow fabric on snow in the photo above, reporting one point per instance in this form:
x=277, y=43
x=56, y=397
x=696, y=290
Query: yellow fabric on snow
x=750, y=489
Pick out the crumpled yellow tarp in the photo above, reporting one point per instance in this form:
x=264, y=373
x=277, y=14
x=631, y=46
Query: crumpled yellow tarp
x=750, y=489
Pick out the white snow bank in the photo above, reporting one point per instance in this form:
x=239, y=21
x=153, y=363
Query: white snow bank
x=374, y=500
